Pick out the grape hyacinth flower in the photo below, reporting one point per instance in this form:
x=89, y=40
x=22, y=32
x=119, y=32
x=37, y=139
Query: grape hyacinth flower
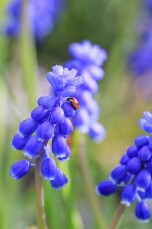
x=49, y=120
x=41, y=15
x=134, y=173
x=140, y=59
x=88, y=59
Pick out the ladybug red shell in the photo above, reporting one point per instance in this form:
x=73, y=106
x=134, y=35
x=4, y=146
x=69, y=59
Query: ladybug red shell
x=74, y=102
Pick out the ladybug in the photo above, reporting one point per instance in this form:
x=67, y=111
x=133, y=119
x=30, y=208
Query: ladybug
x=74, y=102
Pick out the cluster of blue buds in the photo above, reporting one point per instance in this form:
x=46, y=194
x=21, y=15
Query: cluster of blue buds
x=88, y=59
x=49, y=120
x=41, y=15
x=134, y=173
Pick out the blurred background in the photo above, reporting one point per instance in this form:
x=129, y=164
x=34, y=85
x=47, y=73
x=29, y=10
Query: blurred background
x=124, y=30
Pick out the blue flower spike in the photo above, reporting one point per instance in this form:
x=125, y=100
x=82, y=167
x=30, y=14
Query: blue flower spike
x=88, y=59
x=134, y=175
x=49, y=120
x=41, y=20
x=140, y=59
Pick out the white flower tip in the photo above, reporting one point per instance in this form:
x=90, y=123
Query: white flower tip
x=126, y=203
x=20, y=134
x=114, y=182
x=97, y=191
x=26, y=154
x=57, y=70
x=144, y=221
x=49, y=178
x=140, y=189
x=60, y=155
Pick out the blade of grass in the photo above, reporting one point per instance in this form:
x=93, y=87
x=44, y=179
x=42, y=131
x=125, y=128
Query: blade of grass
x=28, y=58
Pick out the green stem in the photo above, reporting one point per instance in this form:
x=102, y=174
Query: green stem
x=118, y=216
x=74, y=220
x=40, y=194
x=28, y=58
x=89, y=185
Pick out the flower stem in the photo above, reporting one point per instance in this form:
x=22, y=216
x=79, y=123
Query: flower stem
x=89, y=185
x=117, y=217
x=40, y=195
x=28, y=58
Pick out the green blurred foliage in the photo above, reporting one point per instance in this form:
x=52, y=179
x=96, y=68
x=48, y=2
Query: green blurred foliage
x=112, y=25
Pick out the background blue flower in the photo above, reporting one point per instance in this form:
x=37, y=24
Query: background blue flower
x=88, y=59
x=140, y=59
x=42, y=16
x=133, y=175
